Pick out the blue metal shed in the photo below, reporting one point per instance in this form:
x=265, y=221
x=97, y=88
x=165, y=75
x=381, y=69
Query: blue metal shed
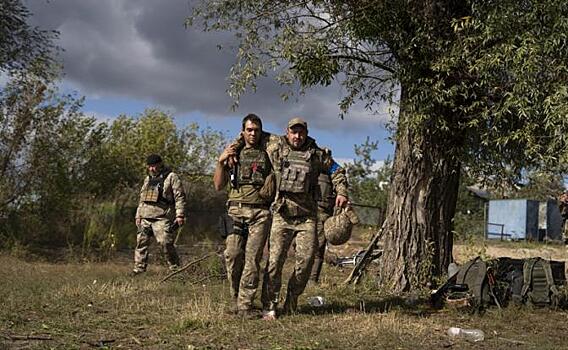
x=513, y=219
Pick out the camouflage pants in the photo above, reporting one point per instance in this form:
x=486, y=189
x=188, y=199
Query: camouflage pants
x=243, y=254
x=162, y=230
x=281, y=235
x=320, y=248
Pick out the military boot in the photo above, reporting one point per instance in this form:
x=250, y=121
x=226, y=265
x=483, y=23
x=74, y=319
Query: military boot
x=290, y=305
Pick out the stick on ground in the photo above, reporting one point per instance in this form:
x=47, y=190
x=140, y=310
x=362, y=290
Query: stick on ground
x=185, y=267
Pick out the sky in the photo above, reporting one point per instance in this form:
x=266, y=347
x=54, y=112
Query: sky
x=127, y=55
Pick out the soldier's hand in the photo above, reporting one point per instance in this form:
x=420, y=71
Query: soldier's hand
x=341, y=201
x=228, y=154
x=180, y=220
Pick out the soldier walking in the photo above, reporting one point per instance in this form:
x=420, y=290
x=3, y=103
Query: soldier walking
x=297, y=161
x=160, y=210
x=248, y=207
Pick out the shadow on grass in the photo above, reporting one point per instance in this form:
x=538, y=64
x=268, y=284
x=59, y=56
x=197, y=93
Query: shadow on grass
x=414, y=306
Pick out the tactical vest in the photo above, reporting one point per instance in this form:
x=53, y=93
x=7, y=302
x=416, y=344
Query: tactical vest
x=326, y=197
x=254, y=167
x=154, y=191
x=296, y=171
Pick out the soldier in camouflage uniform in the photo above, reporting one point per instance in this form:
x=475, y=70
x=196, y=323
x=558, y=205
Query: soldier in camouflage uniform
x=249, y=210
x=297, y=162
x=160, y=210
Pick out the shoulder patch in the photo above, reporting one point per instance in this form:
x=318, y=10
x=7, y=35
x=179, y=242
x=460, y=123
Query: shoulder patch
x=333, y=168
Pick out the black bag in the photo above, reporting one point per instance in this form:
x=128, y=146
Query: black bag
x=474, y=275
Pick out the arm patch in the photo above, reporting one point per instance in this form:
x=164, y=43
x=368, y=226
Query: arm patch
x=333, y=168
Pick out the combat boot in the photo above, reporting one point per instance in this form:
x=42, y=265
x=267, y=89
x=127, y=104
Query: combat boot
x=137, y=271
x=290, y=305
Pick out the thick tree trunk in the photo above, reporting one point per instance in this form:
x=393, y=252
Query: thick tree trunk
x=418, y=236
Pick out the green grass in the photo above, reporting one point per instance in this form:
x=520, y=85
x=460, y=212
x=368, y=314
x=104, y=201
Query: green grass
x=97, y=305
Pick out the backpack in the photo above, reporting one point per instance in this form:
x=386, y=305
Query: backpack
x=509, y=276
x=539, y=287
x=474, y=274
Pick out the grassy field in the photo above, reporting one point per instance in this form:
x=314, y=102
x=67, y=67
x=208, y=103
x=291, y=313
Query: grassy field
x=68, y=305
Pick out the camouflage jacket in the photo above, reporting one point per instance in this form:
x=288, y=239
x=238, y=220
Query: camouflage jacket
x=169, y=201
x=303, y=204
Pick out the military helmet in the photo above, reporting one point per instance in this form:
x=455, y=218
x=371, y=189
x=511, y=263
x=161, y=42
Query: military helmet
x=337, y=228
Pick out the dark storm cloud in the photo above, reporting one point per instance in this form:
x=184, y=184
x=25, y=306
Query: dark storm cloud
x=141, y=50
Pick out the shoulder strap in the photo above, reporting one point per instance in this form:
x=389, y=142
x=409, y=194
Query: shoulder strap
x=479, y=280
x=528, y=268
x=549, y=278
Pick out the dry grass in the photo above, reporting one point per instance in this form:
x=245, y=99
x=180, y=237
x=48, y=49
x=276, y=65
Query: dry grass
x=97, y=305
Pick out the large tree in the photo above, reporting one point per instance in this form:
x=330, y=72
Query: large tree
x=480, y=85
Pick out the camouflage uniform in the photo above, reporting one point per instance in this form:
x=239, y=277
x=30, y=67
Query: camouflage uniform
x=251, y=217
x=295, y=214
x=325, y=210
x=162, y=199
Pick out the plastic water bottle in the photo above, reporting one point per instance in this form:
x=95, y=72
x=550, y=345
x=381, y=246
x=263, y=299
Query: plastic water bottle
x=316, y=301
x=474, y=335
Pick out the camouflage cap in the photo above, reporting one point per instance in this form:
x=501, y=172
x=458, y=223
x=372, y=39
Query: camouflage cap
x=297, y=121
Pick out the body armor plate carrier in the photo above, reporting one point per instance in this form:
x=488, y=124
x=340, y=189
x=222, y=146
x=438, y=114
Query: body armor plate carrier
x=296, y=172
x=254, y=167
x=154, y=191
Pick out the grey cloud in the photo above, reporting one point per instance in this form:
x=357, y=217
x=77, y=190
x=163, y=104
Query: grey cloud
x=141, y=50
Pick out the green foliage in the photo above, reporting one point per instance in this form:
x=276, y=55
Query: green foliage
x=541, y=186
x=369, y=185
x=469, y=219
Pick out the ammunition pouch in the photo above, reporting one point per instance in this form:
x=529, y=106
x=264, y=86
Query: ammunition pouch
x=228, y=226
x=240, y=228
x=225, y=225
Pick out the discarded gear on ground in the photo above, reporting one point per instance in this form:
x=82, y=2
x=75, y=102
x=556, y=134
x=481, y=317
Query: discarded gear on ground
x=479, y=284
x=357, y=257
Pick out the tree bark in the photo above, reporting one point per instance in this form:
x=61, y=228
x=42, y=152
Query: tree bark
x=418, y=237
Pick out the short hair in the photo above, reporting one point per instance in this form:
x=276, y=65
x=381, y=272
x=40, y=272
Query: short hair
x=253, y=118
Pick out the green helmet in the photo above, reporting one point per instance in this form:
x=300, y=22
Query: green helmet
x=337, y=229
